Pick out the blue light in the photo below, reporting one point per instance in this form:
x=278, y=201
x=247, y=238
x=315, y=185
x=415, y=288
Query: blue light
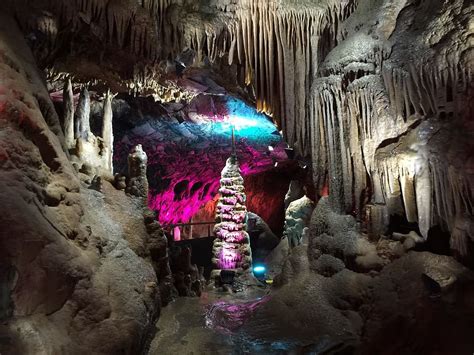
x=259, y=269
x=248, y=123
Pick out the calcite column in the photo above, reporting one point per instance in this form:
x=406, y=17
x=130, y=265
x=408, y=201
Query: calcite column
x=232, y=244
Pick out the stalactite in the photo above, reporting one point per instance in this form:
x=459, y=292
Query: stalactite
x=408, y=195
x=113, y=19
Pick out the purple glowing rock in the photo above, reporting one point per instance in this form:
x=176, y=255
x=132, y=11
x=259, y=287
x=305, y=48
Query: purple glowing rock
x=185, y=159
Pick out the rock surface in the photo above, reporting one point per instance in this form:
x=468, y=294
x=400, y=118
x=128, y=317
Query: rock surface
x=73, y=274
x=327, y=298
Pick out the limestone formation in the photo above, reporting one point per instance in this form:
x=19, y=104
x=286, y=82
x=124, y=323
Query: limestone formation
x=82, y=129
x=72, y=256
x=157, y=245
x=68, y=115
x=137, y=183
x=297, y=217
x=107, y=133
x=265, y=239
x=231, y=249
x=375, y=96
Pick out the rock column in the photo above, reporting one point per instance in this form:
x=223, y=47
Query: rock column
x=232, y=244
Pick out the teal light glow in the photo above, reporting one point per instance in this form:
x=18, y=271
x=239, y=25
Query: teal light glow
x=249, y=124
x=259, y=269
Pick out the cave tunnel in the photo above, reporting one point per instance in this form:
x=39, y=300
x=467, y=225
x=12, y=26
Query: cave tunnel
x=236, y=177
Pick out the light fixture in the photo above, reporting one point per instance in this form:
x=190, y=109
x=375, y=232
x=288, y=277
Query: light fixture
x=270, y=148
x=259, y=271
x=302, y=164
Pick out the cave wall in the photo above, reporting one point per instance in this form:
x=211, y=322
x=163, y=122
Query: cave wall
x=393, y=101
x=72, y=259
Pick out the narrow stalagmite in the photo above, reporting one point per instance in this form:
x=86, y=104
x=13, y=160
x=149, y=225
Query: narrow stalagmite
x=82, y=123
x=68, y=106
x=107, y=132
x=137, y=183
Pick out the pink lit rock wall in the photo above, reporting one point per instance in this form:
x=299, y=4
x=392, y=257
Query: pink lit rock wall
x=187, y=149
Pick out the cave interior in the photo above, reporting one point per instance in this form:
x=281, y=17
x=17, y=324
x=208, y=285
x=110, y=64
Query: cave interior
x=236, y=177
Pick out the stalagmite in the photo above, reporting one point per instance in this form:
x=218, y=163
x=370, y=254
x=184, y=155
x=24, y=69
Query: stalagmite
x=137, y=183
x=68, y=107
x=297, y=217
x=231, y=248
x=82, y=116
x=107, y=132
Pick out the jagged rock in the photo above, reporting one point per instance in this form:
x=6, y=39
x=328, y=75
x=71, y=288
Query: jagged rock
x=277, y=257
x=376, y=93
x=186, y=276
x=266, y=239
x=69, y=284
x=82, y=128
x=107, y=133
x=68, y=115
x=96, y=183
x=157, y=246
x=462, y=238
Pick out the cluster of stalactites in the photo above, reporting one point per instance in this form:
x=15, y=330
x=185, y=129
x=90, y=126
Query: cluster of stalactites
x=132, y=25
x=279, y=45
x=232, y=246
x=280, y=48
x=351, y=120
x=95, y=151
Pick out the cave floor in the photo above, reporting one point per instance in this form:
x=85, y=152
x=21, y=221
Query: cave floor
x=213, y=324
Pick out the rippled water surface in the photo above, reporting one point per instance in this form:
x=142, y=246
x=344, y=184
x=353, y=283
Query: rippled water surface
x=214, y=324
